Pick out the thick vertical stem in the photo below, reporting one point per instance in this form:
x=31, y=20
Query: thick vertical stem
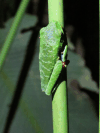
x=55, y=11
x=59, y=102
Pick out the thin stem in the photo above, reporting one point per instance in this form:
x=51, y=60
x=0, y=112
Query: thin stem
x=12, y=32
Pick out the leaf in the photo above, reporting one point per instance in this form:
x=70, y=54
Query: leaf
x=9, y=76
x=27, y=22
x=34, y=113
x=77, y=70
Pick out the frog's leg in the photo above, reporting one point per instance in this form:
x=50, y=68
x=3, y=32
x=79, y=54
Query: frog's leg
x=54, y=76
x=64, y=54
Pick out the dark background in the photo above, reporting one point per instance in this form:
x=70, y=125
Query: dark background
x=83, y=15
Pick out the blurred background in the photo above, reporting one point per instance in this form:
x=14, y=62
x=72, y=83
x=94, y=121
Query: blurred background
x=24, y=107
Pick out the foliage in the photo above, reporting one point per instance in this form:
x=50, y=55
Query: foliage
x=34, y=114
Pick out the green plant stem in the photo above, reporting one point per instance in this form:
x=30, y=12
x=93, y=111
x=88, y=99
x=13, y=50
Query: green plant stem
x=12, y=32
x=99, y=66
x=59, y=102
x=59, y=109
